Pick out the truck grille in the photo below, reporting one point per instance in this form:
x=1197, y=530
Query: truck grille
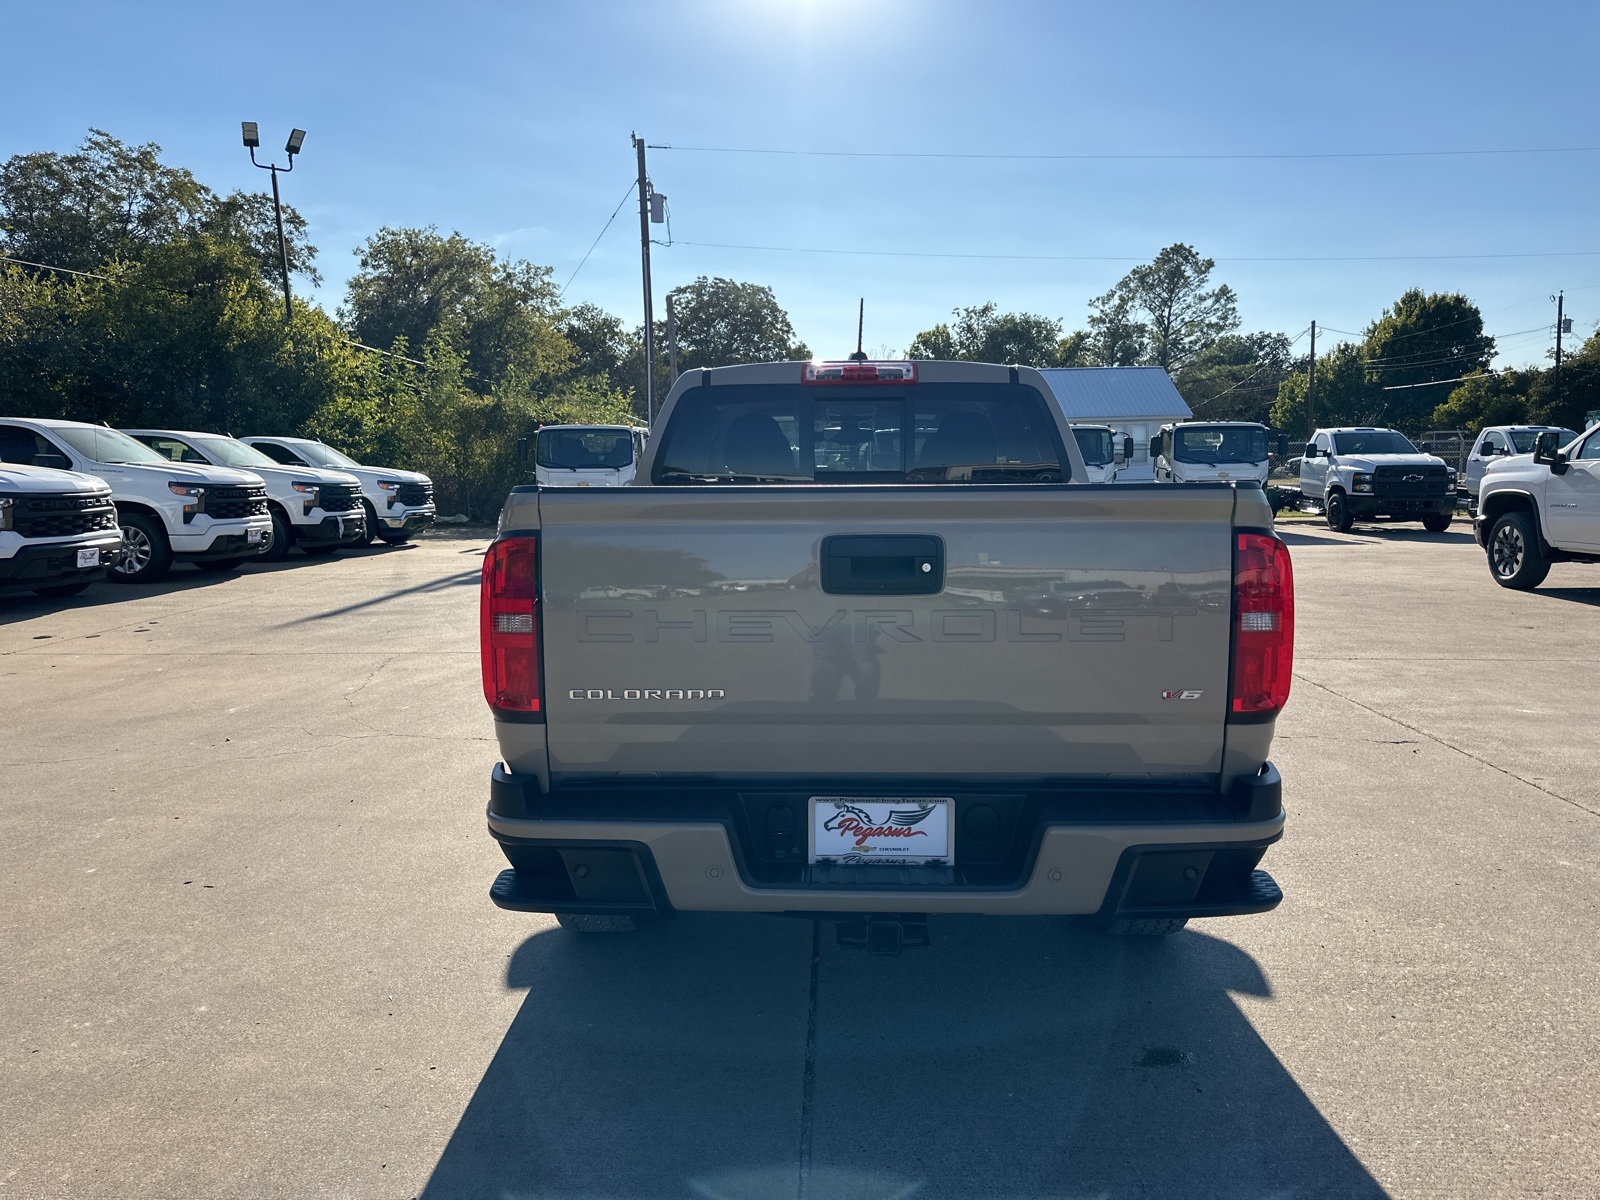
x=413, y=494
x=63, y=516
x=339, y=497
x=231, y=503
x=1410, y=483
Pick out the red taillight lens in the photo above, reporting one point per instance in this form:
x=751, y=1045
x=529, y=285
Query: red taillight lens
x=1263, y=634
x=509, y=625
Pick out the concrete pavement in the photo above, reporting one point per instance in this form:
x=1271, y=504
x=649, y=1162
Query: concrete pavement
x=248, y=950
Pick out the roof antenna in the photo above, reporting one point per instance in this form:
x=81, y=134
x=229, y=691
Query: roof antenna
x=861, y=319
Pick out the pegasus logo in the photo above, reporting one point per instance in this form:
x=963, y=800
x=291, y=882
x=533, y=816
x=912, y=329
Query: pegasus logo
x=857, y=823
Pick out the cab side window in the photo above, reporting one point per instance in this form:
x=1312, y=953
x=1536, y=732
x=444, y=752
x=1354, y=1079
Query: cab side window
x=19, y=445
x=1493, y=443
x=175, y=450
x=1590, y=450
x=277, y=453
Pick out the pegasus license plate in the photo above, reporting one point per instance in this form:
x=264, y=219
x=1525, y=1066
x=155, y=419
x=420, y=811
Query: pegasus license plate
x=881, y=829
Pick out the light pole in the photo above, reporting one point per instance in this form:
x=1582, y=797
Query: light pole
x=252, y=139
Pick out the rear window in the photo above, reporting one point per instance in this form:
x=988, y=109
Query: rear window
x=1219, y=445
x=926, y=433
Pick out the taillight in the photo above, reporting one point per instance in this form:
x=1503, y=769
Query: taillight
x=858, y=372
x=509, y=625
x=1263, y=634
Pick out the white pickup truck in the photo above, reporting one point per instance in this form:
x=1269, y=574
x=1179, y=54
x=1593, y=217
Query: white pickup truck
x=1360, y=472
x=315, y=509
x=214, y=517
x=1541, y=508
x=397, y=503
x=58, y=529
x=1501, y=441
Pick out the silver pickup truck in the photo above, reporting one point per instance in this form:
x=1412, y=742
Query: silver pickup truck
x=859, y=643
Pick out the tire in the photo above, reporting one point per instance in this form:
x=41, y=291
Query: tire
x=1516, y=555
x=146, y=553
x=596, y=923
x=57, y=590
x=1150, y=927
x=372, y=524
x=282, y=537
x=219, y=566
x=1338, y=513
x=1436, y=522
x=318, y=551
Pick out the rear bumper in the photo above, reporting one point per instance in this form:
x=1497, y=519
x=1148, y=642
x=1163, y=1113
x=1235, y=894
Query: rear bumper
x=1075, y=855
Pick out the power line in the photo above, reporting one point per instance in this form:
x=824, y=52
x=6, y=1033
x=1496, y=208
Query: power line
x=596, y=241
x=985, y=156
x=1118, y=258
x=1249, y=377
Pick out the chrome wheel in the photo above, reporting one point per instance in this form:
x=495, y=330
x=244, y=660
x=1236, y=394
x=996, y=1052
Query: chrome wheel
x=137, y=551
x=1507, y=550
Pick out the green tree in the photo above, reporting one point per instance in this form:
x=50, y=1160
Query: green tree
x=982, y=333
x=503, y=312
x=1167, y=309
x=1568, y=402
x=721, y=322
x=1345, y=396
x=1418, y=348
x=1484, y=399
x=1237, y=377
x=108, y=201
x=1075, y=350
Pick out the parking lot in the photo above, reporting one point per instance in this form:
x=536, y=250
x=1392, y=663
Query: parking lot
x=248, y=949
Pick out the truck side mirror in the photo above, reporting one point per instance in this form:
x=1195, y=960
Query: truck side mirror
x=1126, y=446
x=522, y=450
x=1155, y=446
x=1283, y=445
x=1544, y=451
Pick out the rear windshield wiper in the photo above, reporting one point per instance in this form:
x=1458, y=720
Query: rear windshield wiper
x=696, y=477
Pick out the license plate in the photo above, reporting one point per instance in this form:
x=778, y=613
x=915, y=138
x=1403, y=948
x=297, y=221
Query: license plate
x=881, y=829
x=252, y=536
x=88, y=558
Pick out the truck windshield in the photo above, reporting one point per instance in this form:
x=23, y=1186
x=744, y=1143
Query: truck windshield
x=1376, y=441
x=929, y=433
x=1219, y=444
x=1522, y=439
x=319, y=455
x=1095, y=446
x=107, y=445
x=233, y=453
x=585, y=449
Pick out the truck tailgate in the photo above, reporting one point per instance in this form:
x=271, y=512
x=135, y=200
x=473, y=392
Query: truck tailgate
x=691, y=632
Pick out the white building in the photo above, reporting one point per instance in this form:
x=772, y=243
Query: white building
x=1136, y=401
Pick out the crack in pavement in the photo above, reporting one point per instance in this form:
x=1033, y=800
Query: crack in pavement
x=1448, y=745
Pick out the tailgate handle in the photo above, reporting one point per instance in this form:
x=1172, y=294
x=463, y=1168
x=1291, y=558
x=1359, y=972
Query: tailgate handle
x=882, y=565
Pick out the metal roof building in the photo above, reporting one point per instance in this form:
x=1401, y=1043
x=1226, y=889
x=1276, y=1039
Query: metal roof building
x=1136, y=401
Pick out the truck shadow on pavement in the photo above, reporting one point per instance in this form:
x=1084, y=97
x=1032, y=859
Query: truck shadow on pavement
x=1571, y=595
x=1012, y=1059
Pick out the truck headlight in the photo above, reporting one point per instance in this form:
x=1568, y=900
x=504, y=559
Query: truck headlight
x=194, y=498
x=7, y=507
x=1362, y=482
x=391, y=489
x=312, y=493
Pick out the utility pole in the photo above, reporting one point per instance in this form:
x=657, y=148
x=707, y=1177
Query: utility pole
x=1311, y=387
x=649, y=307
x=1560, y=303
x=672, y=343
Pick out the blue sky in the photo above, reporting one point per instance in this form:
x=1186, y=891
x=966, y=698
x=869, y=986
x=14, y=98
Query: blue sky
x=510, y=123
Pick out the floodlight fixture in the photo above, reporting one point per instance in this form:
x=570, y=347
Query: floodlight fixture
x=252, y=136
x=296, y=137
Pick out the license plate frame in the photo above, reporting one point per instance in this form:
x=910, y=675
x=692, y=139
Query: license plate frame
x=253, y=537
x=866, y=830
x=89, y=558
